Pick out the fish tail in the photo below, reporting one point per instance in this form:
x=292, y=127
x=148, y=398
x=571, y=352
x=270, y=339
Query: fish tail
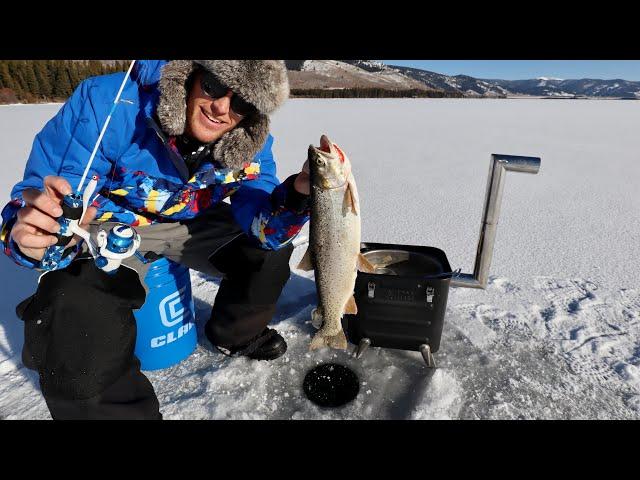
x=321, y=339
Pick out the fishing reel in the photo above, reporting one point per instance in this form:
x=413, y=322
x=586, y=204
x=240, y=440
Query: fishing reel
x=121, y=242
x=109, y=249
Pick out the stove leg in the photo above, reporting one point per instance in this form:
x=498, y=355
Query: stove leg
x=362, y=347
x=425, y=350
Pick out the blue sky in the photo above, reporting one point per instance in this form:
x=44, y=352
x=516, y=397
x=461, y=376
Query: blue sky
x=523, y=69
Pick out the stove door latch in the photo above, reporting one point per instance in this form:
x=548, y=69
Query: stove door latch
x=430, y=294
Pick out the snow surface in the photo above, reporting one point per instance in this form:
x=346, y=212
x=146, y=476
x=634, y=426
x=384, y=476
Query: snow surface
x=556, y=334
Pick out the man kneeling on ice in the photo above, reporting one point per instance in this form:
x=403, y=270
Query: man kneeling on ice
x=184, y=136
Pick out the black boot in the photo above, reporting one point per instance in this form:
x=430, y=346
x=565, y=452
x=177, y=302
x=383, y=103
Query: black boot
x=269, y=345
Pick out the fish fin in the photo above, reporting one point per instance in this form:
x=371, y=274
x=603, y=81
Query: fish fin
x=320, y=340
x=306, y=264
x=351, y=307
x=316, y=318
x=347, y=203
x=353, y=194
x=365, y=265
x=350, y=201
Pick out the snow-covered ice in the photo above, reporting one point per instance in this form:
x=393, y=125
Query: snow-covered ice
x=556, y=334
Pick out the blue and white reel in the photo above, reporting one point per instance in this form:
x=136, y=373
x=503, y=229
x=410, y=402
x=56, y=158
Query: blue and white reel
x=120, y=243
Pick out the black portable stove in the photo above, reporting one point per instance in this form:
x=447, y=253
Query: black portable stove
x=402, y=304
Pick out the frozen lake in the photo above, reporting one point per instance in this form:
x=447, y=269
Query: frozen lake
x=555, y=335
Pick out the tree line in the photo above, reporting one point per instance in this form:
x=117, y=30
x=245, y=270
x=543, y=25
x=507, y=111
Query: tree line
x=372, y=93
x=33, y=81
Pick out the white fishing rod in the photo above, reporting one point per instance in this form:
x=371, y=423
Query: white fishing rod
x=104, y=127
x=121, y=242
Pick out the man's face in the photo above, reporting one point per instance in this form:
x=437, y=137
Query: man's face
x=209, y=118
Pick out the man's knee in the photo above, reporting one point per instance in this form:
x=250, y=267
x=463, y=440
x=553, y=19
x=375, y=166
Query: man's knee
x=276, y=265
x=80, y=330
x=258, y=275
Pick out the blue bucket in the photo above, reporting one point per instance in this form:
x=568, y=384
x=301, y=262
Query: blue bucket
x=166, y=321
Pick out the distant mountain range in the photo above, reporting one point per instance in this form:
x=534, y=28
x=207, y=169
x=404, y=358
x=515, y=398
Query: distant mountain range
x=335, y=74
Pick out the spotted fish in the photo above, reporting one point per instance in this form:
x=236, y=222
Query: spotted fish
x=334, y=241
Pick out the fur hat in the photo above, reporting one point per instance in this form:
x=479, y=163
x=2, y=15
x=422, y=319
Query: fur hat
x=263, y=83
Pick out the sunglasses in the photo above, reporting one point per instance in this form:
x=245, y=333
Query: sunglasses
x=214, y=88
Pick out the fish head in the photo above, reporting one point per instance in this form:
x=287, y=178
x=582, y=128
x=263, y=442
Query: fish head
x=329, y=166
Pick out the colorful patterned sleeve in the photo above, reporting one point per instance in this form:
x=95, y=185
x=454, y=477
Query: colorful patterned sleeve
x=279, y=221
x=11, y=249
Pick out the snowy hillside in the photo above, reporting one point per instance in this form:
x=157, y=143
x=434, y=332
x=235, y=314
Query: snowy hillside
x=556, y=87
x=469, y=86
x=542, y=86
x=341, y=74
x=555, y=335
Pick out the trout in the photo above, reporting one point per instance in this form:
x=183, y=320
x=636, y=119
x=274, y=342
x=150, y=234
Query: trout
x=334, y=241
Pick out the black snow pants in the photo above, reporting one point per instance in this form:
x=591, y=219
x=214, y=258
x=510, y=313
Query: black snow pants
x=80, y=330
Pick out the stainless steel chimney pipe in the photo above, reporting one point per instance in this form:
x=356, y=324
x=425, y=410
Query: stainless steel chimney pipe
x=492, y=201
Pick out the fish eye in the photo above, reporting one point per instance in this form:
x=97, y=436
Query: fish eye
x=319, y=161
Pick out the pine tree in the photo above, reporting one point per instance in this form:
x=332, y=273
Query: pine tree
x=81, y=70
x=61, y=84
x=16, y=72
x=15, y=67
x=41, y=69
x=66, y=79
x=74, y=75
x=5, y=76
x=54, y=67
x=30, y=78
x=95, y=68
x=68, y=66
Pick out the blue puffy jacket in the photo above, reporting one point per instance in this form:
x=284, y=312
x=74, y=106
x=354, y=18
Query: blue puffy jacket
x=141, y=174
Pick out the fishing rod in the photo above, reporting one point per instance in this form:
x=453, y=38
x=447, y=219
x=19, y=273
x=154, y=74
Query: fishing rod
x=110, y=248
